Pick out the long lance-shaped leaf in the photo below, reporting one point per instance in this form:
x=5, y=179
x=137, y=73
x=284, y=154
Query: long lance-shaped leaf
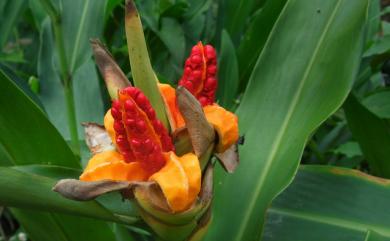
x=87, y=96
x=235, y=16
x=45, y=226
x=26, y=133
x=10, y=10
x=378, y=103
x=302, y=76
x=21, y=189
x=228, y=72
x=255, y=38
x=28, y=137
x=372, y=134
x=34, y=140
x=328, y=203
x=113, y=76
x=141, y=68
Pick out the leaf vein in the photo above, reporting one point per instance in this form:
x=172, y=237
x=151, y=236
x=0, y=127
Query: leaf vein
x=282, y=130
x=78, y=36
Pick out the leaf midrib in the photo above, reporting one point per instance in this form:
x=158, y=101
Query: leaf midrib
x=334, y=221
x=78, y=36
x=286, y=120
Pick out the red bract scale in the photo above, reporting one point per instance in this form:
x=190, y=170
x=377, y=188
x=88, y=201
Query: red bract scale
x=200, y=71
x=140, y=136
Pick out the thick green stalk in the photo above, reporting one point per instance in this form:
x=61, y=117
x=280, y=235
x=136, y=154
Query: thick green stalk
x=72, y=120
x=141, y=68
x=66, y=77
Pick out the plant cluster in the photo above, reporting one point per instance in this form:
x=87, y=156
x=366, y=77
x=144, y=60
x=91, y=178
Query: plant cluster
x=115, y=130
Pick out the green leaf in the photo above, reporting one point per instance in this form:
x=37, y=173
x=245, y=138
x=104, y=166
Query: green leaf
x=122, y=233
x=31, y=186
x=302, y=76
x=43, y=226
x=379, y=103
x=40, y=226
x=194, y=27
x=227, y=73
x=235, y=15
x=111, y=201
x=149, y=13
x=81, y=21
x=174, y=9
x=349, y=149
x=110, y=6
x=385, y=10
x=380, y=46
x=50, y=171
x=142, y=71
x=14, y=56
x=21, y=84
x=386, y=28
x=255, y=37
x=26, y=134
x=197, y=7
x=172, y=35
x=327, y=203
x=26, y=190
x=88, y=99
x=10, y=12
x=38, y=13
x=374, y=21
x=372, y=133
x=5, y=159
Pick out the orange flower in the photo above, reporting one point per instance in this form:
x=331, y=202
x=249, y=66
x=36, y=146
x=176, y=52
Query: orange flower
x=144, y=147
x=200, y=78
x=144, y=152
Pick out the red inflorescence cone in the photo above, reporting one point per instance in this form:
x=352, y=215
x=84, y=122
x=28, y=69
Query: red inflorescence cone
x=200, y=73
x=140, y=136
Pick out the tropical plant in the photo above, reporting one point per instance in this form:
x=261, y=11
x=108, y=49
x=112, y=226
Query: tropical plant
x=308, y=80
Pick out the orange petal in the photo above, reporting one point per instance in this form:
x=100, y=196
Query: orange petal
x=103, y=157
x=180, y=180
x=109, y=125
x=190, y=164
x=169, y=96
x=109, y=165
x=225, y=123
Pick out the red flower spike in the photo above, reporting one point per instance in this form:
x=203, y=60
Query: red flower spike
x=200, y=73
x=140, y=136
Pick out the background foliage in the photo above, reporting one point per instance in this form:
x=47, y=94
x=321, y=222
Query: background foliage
x=308, y=78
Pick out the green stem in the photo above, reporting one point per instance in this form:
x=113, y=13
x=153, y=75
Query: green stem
x=66, y=77
x=71, y=113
